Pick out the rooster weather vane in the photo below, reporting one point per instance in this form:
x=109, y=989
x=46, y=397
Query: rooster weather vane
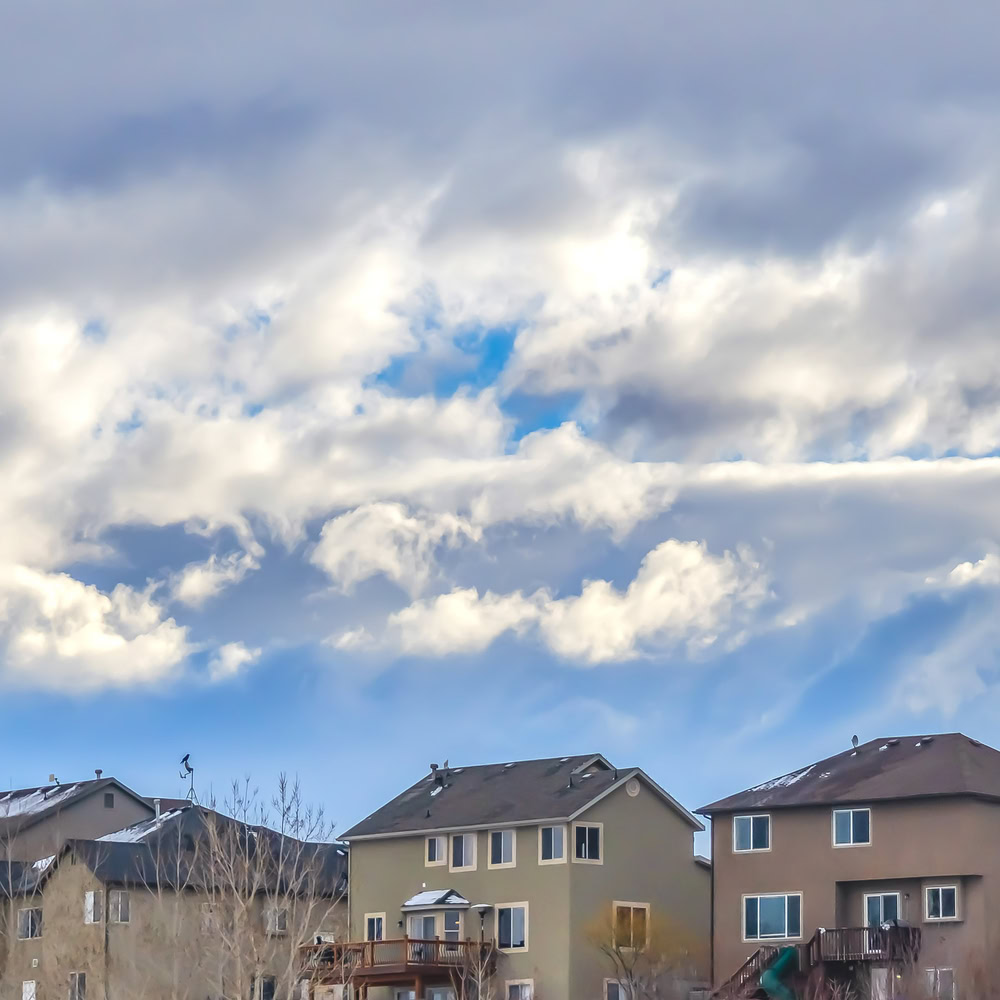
x=188, y=773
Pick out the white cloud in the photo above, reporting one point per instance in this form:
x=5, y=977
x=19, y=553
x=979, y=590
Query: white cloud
x=62, y=634
x=231, y=659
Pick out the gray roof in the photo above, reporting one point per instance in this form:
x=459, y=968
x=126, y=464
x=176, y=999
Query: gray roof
x=23, y=807
x=893, y=767
x=524, y=791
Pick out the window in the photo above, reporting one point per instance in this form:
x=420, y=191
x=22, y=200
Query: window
x=587, y=838
x=374, y=926
x=552, y=845
x=613, y=990
x=751, y=833
x=941, y=983
x=520, y=989
x=437, y=852
x=29, y=990
x=941, y=902
x=29, y=923
x=118, y=906
x=772, y=916
x=109, y=800
x=93, y=907
x=463, y=852
x=502, y=847
x=852, y=827
x=880, y=907
x=277, y=920
x=512, y=927
x=78, y=986
x=631, y=925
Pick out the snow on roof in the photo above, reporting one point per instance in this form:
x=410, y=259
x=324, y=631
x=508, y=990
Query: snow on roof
x=436, y=897
x=138, y=832
x=36, y=801
x=783, y=781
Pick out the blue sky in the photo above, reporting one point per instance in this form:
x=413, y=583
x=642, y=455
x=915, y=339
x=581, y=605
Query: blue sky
x=383, y=385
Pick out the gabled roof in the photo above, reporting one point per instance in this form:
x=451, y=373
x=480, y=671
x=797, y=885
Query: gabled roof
x=517, y=792
x=894, y=767
x=23, y=807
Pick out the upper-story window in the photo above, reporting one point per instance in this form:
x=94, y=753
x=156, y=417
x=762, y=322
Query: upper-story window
x=941, y=902
x=588, y=842
x=503, y=846
x=551, y=845
x=751, y=833
x=436, y=852
x=852, y=827
x=29, y=923
x=463, y=852
x=775, y=915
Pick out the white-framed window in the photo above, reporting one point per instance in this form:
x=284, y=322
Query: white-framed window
x=29, y=923
x=941, y=983
x=552, y=845
x=93, y=907
x=941, y=902
x=503, y=849
x=519, y=989
x=463, y=852
x=78, y=986
x=751, y=833
x=276, y=919
x=880, y=907
x=613, y=990
x=118, y=906
x=29, y=989
x=772, y=915
x=588, y=843
x=511, y=925
x=852, y=827
x=374, y=926
x=435, y=852
x=631, y=924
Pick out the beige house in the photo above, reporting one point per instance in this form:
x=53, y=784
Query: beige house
x=880, y=859
x=546, y=860
x=188, y=904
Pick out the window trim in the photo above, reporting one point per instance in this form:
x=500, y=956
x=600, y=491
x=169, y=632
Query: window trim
x=475, y=852
x=497, y=907
x=513, y=848
x=588, y=861
x=614, y=921
x=443, y=859
x=927, y=907
x=374, y=916
x=767, y=895
x=565, y=833
x=880, y=895
x=752, y=849
x=41, y=923
x=508, y=983
x=852, y=810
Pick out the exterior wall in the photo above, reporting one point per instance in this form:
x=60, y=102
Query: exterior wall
x=86, y=819
x=913, y=843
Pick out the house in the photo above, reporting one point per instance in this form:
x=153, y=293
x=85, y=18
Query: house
x=534, y=868
x=36, y=822
x=876, y=864
x=186, y=904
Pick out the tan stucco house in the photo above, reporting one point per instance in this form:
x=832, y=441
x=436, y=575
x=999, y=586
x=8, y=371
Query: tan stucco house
x=881, y=859
x=541, y=860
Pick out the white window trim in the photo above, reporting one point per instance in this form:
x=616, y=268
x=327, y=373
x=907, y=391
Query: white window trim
x=880, y=895
x=374, y=916
x=927, y=904
x=565, y=833
x=768, y=895
x=853, y=843
x=475, y=852
x=508, y=983
x=513, y=848
x=443, y=859
x=751, y=849
x=635, y=906
x=587, y=861
x=496, y=927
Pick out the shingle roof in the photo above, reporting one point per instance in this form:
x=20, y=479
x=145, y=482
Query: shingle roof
x=895, y=767
x=524, y=791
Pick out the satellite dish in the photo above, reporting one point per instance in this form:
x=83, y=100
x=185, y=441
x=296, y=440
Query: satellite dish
x=854, y=742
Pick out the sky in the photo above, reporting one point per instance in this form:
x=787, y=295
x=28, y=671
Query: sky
x=383, y=384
